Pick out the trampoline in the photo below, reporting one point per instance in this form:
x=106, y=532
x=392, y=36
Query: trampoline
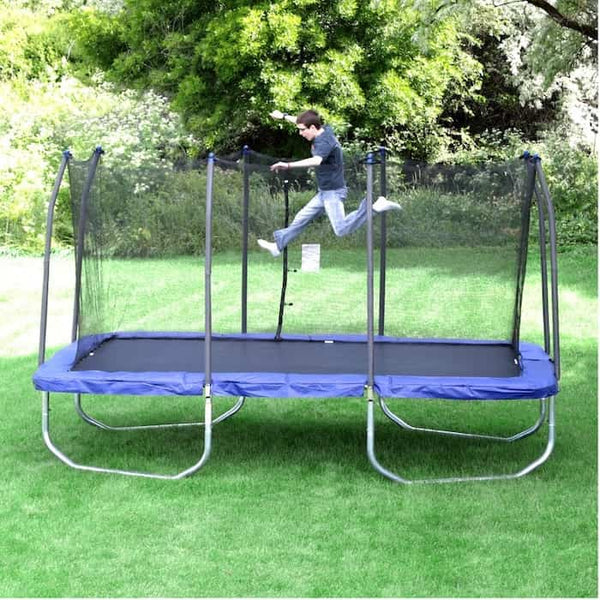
x=284, y=365
x=296, y=366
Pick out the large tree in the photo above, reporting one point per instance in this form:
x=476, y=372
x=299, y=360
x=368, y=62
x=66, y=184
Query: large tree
x=360, y=62
x=551, y=49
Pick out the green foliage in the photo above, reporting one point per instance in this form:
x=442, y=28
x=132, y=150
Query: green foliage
x=546, y=58
x=95, y=38
x=559, y=47
x=571, y=172
x=31, y=46
x=572, y=175
x=138, y=130
x=553, y=35
x=359, y=63
x=379, y=71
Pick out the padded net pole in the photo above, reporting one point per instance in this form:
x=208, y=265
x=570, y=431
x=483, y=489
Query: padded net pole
x=245, y=212
x=383, y=241
x=208, y=270
x=370, y=304
x=79, y=250
x=48, y=246
x=286, y=198
x=523, y=249
x=543, y=268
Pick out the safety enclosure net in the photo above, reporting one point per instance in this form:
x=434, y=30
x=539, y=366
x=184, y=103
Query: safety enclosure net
x=449, y=264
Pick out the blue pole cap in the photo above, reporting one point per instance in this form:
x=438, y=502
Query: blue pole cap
x=246, y=149
x=211, y=156
x=526, y=154
x=370, y=158
x=67, y=153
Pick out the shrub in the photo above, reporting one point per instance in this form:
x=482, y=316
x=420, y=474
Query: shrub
x=38, y=123
x=571, y=171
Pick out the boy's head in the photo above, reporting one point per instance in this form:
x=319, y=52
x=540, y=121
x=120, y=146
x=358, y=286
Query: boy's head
x=309, y=124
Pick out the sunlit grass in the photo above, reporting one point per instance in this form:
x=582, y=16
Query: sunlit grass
x=288, y=506
x=438, y=294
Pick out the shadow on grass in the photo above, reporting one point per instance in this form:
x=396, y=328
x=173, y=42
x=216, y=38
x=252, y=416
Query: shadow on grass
x=265, y=436
x=308, y=434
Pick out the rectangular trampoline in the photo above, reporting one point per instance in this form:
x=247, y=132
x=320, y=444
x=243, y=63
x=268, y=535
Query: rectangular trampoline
x=412, y=352
x=254, y=365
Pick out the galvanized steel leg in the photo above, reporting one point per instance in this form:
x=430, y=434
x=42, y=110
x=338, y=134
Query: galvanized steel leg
x=371, y=445
x=512, y=438
x=71, y=463
x=399, y=479
x=102, y=425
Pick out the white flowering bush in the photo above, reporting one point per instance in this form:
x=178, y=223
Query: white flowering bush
x=41, y=120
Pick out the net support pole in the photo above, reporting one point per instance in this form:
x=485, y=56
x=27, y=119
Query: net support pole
x=208, y=423
x=284, y=277
x=370, y=336
x=81, y=236
x=523, y=250
x=208, y=270
x=245, y=213
x=370, y=333
x=543, y=269
x=382, y=243
x=370, y=294
x=47, y=250
x=541, y=178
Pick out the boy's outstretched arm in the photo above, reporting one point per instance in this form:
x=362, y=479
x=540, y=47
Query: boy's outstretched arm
x=313, y=161
x=277, y=114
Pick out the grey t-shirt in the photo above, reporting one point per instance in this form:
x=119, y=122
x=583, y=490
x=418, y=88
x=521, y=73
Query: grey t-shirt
x=330, y=173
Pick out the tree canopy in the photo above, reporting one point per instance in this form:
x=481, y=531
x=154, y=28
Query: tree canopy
x=361, y=63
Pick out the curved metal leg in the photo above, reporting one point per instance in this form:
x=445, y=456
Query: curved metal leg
x=371, y=447
x=101, y=425
x=512, y=438
x=64, y=458
x=398, y=479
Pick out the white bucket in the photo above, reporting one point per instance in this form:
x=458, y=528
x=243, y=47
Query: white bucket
x=311, y=258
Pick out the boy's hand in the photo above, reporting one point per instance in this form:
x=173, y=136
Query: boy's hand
x=276, y=114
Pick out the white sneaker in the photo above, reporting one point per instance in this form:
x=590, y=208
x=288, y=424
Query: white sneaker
x=382, y=204
x=270, y=246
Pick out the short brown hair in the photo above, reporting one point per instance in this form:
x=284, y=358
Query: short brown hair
x=308, y=118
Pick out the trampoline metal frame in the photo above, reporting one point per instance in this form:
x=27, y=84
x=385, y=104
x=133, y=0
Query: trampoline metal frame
x=547, y=230
x=547, y=234
x=102, y=425
x=180, y=475
x=534, y=464
x=208, y=422
x=477, y=436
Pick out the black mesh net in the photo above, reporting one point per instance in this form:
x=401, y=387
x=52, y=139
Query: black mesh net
x=452, y=256
x=455, y=252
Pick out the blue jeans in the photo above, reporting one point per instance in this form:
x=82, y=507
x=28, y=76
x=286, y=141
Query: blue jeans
x=332, y=203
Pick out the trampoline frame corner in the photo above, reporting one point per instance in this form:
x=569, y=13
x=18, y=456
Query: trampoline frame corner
x=546, y=416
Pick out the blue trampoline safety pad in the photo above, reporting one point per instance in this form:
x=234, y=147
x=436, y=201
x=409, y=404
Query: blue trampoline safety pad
x=255, y=365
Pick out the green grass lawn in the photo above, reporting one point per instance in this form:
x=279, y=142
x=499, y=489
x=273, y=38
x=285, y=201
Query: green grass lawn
x=287, y=504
